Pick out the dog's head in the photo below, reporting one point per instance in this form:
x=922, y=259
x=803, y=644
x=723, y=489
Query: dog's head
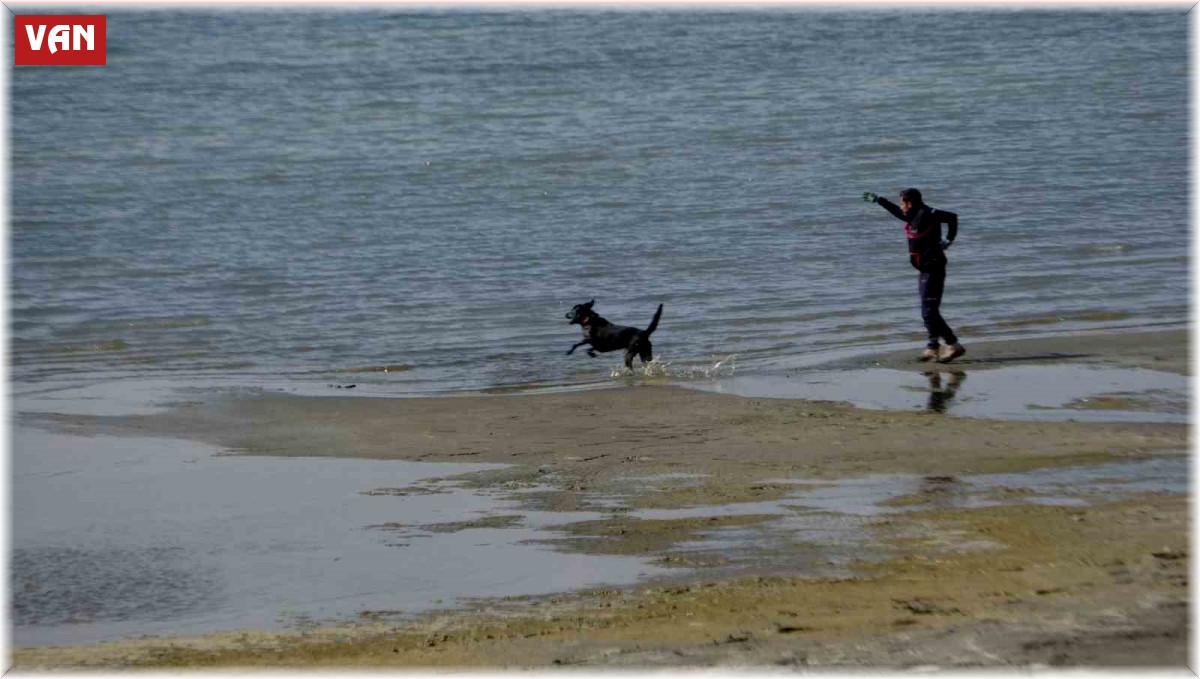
x=581, y=313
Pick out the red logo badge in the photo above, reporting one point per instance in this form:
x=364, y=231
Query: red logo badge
x=60, y=40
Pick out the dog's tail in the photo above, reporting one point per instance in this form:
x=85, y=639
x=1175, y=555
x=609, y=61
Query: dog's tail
x=654, y=323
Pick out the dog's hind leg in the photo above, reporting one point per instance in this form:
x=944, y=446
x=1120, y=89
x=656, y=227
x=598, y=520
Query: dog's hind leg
x=629, y=354
x=645, y=351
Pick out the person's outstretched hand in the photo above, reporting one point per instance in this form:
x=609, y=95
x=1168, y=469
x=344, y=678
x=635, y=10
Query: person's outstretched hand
x=870, y=197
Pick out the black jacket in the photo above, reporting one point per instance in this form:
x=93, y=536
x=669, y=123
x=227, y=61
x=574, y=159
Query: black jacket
x=924, y=230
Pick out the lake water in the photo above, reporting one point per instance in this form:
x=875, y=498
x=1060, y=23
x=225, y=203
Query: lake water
x=314, y=197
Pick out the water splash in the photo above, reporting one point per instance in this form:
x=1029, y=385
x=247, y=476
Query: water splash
x=680, y=370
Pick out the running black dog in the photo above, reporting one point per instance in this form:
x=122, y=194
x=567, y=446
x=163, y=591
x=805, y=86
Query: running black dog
x=604, y=336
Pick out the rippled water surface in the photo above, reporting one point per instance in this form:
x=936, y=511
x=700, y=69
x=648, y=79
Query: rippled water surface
x=412, y=199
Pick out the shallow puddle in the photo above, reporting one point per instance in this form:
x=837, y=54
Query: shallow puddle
x=836, y=519
x=113, y=537
x=880, y=494
x=1048, y=392
x=1156, y=475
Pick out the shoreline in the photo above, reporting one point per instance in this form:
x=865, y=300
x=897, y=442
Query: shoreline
x=587, y=445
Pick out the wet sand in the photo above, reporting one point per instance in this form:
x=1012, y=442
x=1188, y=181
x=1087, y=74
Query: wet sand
x=1101, y=584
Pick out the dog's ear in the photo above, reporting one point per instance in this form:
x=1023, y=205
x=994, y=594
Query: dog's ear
x=589, y=304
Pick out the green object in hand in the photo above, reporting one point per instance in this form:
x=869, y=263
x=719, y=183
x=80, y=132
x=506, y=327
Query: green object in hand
x=870, y=197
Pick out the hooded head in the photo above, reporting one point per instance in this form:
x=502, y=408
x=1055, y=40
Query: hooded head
x=910, y=199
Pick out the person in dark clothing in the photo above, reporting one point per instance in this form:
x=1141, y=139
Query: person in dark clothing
x=927, y=254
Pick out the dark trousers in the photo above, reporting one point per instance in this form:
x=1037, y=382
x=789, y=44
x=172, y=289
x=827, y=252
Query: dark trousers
x=930, y=285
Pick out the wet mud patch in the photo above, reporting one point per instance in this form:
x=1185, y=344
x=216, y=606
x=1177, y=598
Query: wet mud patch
x=1152, y=401
x=695, y=560
x=415, y=530
x=382, y=616
x=822, y=528
x=624, y=535
x=934, y=496
x=574, y=500
x=680, y=478
x=587, y=493
x=500, y=521
x=408, y=491
x=707, y=494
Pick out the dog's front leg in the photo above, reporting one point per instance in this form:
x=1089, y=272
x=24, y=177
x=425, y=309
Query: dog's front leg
x=576, y=346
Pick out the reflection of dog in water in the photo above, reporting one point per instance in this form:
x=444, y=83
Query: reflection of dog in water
x=939, y=394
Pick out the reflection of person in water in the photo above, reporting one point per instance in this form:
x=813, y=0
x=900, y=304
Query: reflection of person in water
x=939, y=396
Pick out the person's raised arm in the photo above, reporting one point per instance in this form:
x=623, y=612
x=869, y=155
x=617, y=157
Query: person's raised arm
x=885, y=204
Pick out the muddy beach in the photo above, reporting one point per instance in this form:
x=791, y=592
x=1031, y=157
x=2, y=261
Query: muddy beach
x=962, y=560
